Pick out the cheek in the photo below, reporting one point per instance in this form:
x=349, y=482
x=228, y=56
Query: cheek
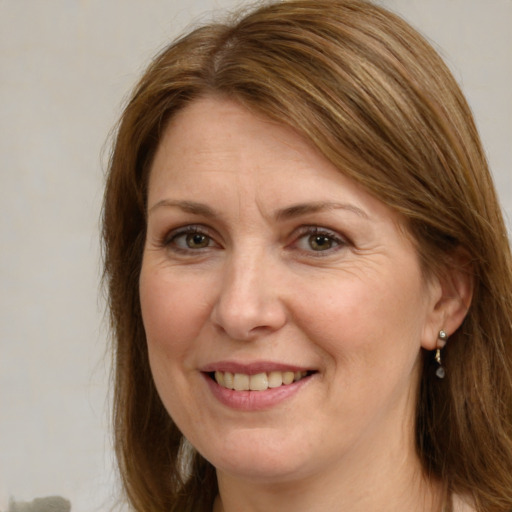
x=172, y=310
x=173, y=315
x=376, y=323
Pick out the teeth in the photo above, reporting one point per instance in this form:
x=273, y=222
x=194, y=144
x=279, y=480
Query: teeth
x=241, y=382
x=258, y=382
x=228, y=380
x=219, y=377
x=288, y=377
x=275, y=379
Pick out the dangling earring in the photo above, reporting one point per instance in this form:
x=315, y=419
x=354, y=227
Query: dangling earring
x=440, y=372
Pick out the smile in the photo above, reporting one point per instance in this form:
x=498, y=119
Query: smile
x=257, y=382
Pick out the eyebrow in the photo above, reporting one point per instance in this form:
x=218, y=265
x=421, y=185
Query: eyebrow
x=186, y=206
x=290, y=212
x=307, y=208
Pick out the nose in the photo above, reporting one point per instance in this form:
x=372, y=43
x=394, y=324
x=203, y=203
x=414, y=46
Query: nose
x=249, y=303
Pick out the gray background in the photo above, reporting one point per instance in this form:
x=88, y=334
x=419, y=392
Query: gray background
x=66, y=66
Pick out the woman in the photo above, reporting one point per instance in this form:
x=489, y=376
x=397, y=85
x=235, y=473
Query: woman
x=309, y=275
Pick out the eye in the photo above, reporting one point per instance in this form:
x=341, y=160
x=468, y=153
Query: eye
x=316, y=239
x=321, y=242
x=196, y=240
x=189, y=238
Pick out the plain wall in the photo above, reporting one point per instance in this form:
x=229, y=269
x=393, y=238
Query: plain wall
x=66, y=66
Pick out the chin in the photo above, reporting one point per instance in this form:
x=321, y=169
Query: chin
x=260, y=457
x=263, y=470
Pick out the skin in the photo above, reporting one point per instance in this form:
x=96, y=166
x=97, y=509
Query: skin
x=333, y=286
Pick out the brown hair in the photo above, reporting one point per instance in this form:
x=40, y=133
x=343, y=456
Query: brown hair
x=380, y=104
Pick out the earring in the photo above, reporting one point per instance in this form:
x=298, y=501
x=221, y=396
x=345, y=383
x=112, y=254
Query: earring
x=440, y=372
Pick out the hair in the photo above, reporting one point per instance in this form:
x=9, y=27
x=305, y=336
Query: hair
x=379, y=103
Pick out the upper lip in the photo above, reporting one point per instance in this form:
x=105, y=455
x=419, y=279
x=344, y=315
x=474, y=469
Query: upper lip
x=252, y=368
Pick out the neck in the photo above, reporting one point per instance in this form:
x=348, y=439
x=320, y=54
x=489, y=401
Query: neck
x=415, y=496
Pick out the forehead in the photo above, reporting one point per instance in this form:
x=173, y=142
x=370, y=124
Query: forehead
x=217, y=126
x=216, y=136
x=217, y=150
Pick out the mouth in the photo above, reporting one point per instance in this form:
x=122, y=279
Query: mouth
x=259, y=381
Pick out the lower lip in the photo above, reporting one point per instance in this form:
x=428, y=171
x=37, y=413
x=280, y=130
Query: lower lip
x=254, y=400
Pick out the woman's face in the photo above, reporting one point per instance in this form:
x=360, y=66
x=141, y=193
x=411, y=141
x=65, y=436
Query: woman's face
x=266, y=268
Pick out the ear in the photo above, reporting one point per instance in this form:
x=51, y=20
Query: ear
x=451, y=294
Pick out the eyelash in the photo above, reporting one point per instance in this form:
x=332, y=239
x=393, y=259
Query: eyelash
x=303, y=233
